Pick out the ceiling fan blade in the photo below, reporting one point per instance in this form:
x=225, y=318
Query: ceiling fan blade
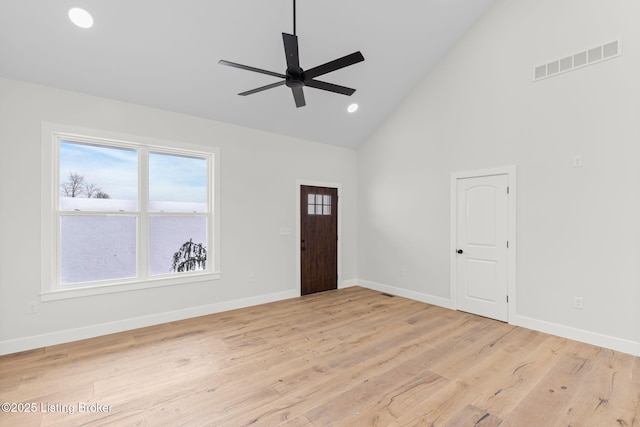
x=329, y=86
x=298, y=95
x=260, y=89
x=248, y=68
x=291, y=50
x=334, y=65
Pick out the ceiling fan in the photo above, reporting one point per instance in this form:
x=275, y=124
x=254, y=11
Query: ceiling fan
x=295, y=77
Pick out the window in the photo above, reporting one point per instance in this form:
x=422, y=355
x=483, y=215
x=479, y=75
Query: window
x=126, y=215
x=319, y=204
x=97, y=213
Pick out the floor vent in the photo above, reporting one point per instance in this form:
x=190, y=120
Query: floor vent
x=387, y=295
x=578, y=60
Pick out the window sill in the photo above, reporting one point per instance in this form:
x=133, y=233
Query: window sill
x=79, y=292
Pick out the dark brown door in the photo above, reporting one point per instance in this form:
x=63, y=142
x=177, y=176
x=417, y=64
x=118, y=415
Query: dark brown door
x=319, y=239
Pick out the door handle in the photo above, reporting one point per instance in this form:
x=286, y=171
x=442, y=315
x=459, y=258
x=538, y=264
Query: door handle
x=460, y=251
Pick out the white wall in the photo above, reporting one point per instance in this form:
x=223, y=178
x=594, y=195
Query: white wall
x=578, y=228
x=258, y=196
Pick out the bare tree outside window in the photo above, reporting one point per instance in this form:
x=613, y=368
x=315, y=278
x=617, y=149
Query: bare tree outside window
x=75, y=186
x=91, y=190
x=101, y=195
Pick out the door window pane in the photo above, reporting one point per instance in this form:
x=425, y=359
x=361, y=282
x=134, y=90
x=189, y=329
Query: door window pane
x=177, y=183
x=97, y=247
x=98, y=178
x=319, y=204
x=177, y=244
x=326, y=205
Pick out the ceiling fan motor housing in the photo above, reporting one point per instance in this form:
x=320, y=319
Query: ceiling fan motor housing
x=295, y=77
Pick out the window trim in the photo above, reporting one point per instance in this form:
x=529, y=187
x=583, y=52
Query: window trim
x=51, y=135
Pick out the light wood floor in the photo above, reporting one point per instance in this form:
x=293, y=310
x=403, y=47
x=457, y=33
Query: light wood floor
x=352, y=357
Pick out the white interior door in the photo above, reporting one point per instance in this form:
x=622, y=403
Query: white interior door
x=481, y=259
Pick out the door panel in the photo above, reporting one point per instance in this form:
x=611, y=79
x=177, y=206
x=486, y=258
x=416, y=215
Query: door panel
x=319, y=239
x=481, y=235
x=480, y=275
x=481, y=216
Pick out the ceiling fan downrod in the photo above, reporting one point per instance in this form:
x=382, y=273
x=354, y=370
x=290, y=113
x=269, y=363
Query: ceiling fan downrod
x=294, y=17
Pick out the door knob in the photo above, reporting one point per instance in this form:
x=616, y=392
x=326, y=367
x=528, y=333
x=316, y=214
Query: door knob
x=460, y=251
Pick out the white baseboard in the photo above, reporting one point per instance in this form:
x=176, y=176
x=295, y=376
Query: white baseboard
x=588, y=337
x=348, y=283
x=69, y=335
x=417, y=296
x=593, y=338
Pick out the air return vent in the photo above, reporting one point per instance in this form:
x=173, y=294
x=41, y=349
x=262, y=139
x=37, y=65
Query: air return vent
x=578, y=60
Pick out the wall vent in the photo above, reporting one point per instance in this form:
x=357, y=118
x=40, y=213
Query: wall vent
x=578, y=60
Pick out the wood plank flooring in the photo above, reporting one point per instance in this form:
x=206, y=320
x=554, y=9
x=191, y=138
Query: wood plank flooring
x=352, y=357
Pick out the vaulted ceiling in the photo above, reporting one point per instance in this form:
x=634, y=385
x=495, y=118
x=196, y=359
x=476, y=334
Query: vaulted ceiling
x=165, y=54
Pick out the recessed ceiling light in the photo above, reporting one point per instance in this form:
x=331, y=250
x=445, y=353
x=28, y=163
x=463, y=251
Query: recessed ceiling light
x=81, y=17
x=352, y=108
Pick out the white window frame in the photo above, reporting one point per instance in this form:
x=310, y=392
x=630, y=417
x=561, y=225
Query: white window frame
x=52, y=135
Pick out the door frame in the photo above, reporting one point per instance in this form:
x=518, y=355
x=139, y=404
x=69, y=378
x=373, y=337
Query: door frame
x=337, y=186
x=510, y=171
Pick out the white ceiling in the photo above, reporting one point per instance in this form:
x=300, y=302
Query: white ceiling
x=165, y=54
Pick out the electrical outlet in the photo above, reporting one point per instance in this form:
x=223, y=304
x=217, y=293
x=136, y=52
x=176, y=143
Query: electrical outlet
x=403, y=272
x=578, y=303
x=32, y=307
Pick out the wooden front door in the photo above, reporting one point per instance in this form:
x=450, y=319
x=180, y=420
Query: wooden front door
x=318, y=239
